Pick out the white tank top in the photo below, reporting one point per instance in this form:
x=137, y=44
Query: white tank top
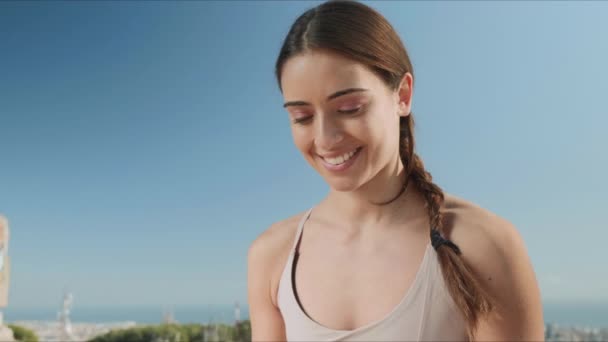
x=426, y=313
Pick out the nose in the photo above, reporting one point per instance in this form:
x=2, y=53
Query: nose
x=328, y=133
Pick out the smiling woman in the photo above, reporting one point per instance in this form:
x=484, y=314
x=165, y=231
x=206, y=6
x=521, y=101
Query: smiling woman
x=387, y=254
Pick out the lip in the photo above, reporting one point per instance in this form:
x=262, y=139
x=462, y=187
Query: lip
x=343, y=166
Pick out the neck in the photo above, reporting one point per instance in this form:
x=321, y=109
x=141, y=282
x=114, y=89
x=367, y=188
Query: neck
x=357, y=209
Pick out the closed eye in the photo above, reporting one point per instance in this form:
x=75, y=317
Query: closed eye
x=301, y=120
x=306, y=119
x=349, y=111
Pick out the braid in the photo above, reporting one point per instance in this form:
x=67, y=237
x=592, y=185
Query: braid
x=463, y=287
x=432, y=193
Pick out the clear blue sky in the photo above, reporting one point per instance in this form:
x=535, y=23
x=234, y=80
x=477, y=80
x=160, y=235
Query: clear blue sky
x=143, y=145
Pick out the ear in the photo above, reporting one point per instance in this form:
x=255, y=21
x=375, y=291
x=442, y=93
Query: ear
x=404, y=95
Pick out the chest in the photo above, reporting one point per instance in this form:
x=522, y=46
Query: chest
x=346, y=288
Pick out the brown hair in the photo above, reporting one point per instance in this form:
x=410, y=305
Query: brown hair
x=360, y=33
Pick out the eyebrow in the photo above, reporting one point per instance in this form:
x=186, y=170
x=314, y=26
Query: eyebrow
x=330, y=97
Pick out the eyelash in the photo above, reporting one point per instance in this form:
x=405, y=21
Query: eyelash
x=306, y=119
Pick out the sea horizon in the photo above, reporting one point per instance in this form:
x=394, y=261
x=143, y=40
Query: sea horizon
x=562, y=313
x=141, y=314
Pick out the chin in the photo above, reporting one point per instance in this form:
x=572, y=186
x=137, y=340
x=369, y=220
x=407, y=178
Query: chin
x=342, y=185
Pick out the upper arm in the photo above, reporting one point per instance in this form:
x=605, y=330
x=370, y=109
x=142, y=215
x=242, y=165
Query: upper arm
x=502, y=265
x=266, y=320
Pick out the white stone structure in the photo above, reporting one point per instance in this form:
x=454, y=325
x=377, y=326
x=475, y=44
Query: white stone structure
x=65, y=325
x=6, y=334
x=237, y=312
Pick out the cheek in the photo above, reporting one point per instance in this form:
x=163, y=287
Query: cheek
x=370, y=130
x=382, y=134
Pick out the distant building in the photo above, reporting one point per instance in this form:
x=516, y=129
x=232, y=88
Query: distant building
x=63, y=316
x=237, y=313
x=168, y=317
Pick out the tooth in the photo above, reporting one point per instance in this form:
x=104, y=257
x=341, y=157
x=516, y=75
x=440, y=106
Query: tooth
x=341, y=159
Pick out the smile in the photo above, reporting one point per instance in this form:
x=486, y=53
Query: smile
x=342, y=162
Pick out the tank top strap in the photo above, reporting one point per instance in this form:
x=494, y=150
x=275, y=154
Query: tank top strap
x=296, y=241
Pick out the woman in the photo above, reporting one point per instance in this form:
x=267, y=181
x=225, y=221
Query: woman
x=386, y=255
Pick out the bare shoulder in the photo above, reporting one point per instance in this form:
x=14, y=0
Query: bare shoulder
x=269, y=251
x=477, y=228
x=493, y=248
x=266, y=257
x=276, y=238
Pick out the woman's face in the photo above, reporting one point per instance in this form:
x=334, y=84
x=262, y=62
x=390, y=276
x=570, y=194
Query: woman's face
x=329, y=125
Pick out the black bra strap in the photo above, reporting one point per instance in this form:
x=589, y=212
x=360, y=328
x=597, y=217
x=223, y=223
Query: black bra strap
x=437, y=240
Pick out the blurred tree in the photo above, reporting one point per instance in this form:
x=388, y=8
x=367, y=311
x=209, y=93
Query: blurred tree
x=240, y=332
x=23, y=334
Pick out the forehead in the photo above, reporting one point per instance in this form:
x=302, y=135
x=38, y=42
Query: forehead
x=314, y=75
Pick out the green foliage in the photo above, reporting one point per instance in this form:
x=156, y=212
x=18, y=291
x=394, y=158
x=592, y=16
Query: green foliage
x=23, y=334
x=242, y=332
x=180, y=333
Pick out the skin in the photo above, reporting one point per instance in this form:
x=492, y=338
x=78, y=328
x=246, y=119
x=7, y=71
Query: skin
x=353, y=250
